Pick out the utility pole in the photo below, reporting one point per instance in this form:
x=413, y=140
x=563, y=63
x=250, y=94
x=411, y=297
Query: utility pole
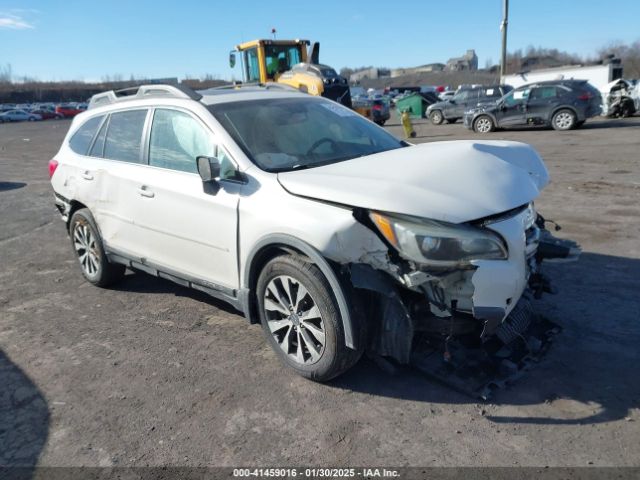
x=503, y=28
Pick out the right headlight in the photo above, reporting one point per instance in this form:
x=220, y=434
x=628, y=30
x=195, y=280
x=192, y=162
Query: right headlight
x=438, y=243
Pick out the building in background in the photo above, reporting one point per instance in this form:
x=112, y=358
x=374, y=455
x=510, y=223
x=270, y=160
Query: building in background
x=430, y=67
x=469, y=61
x=370, y=73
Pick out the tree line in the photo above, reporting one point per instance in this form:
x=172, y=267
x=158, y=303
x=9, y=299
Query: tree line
x=532, y=58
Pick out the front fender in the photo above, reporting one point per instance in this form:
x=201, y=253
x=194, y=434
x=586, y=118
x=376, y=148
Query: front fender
x=284, y=240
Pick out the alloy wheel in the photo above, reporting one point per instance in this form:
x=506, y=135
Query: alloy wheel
x=294, y=319
x=483, y=125
x=84, y=243
x=564, y=120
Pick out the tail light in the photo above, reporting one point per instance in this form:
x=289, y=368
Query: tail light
x=585, y=96
x=53, y=164
x=377, y=107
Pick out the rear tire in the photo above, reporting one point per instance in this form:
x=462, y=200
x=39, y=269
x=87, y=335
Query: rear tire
x=563, y=120
x=306, y=331
x=483, y=124
x=436, y=117
x=89, y=250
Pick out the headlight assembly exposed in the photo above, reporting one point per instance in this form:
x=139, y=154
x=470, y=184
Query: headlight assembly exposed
x=438, y=243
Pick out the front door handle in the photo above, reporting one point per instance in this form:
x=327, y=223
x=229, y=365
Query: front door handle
x=145, y=192
x=86, y=175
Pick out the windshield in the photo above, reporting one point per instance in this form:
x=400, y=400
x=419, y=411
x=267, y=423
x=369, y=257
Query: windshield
x=280, y=58
x=294, y=133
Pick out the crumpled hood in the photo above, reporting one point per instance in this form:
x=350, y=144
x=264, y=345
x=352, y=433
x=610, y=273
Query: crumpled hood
x=454, y=181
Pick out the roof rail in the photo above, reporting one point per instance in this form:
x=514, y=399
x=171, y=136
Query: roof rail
x=143, y=91
x=248, y=86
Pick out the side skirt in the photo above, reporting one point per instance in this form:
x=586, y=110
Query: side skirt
x=228, y=295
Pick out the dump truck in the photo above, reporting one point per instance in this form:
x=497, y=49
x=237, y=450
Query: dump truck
x=290, y=62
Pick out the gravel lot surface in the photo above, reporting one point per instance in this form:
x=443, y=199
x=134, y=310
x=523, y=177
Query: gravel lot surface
x=150, y=373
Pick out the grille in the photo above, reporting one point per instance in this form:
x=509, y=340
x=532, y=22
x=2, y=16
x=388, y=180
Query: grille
x=516, y=323
x=532, y=238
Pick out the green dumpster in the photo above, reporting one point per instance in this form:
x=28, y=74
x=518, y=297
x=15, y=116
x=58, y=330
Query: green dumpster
x=413, y=102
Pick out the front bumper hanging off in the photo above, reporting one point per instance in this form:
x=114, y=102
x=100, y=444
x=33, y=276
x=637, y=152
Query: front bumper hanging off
x=519, y=342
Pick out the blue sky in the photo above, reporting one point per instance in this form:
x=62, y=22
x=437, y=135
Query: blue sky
x=56, y=40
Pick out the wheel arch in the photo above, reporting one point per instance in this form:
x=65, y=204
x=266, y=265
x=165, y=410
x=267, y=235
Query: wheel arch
x=563, y=107
x=274, y=245
x=74, y=206
x=485, y=114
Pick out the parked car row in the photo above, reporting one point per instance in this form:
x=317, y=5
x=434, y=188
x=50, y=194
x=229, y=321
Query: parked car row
x=39, y=111
x=19, y=116
x=372, y=105
x=453, y=109
x=561, y=104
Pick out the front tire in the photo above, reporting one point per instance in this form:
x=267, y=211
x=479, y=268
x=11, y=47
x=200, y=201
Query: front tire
x=89, y=250
x=483, y=124
x=436, y=117
x=301, y=319
x=563, y=119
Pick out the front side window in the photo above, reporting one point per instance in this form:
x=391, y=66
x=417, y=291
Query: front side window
x=516, y=97
x=124, y=136
x=81, y=140
x=176, y=140
x=461, y=96
x=293, y=133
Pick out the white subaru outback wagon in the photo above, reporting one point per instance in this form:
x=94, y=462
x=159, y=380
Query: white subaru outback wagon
x=308, y=218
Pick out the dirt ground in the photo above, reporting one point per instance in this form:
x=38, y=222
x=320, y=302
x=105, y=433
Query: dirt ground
x=149, y=373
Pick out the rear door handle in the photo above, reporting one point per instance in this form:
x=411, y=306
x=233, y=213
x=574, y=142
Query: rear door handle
x=87, y=175
x=145, y=192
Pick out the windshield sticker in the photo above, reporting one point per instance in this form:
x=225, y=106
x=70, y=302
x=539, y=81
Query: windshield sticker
x=339, y=109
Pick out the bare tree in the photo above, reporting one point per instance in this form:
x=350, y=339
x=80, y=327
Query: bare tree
x=629, y=54
x=5, y=73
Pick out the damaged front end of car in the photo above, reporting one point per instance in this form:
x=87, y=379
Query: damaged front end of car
x=456, y=300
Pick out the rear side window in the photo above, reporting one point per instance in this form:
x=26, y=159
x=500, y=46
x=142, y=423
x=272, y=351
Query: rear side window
x=542, y=93
x=491, y=92
x=124, y=136
x=81, y=140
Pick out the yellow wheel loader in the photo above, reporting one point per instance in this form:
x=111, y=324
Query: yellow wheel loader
x=289, y=62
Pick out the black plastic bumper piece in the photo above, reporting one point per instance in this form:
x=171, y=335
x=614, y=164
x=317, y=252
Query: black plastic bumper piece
x=477, y=372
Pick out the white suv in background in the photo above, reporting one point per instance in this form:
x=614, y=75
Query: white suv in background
x=333, y=234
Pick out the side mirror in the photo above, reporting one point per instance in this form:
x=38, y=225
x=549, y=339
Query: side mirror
x=208, y=168
x=451, y=100
x=232, y=59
